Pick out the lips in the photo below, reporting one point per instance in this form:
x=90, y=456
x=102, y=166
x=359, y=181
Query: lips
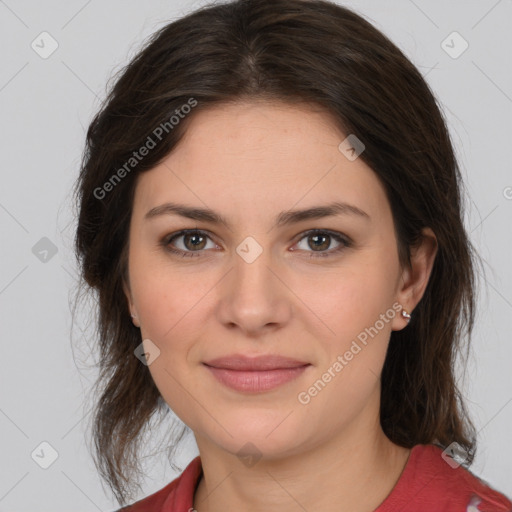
x=258, y=363
x=255, y=374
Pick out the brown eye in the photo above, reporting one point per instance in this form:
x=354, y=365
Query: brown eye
x=194, y=241
x=186, y=243
x=319, y=241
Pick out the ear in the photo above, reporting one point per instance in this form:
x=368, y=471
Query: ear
x=414, y=279
x=131, y=306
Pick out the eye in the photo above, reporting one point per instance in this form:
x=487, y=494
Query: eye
x=193, y=241
x=320, y=240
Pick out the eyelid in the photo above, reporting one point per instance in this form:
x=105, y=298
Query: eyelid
x=335, y=234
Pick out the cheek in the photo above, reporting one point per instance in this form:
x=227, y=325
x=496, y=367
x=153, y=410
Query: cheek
x=351, y=304
x=349, y=299
x=347, y=377
x=166, y=298
x=169, y=305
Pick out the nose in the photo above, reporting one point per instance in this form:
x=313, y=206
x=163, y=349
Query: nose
x=254, y=297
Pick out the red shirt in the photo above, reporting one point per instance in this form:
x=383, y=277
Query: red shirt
x=427, y=484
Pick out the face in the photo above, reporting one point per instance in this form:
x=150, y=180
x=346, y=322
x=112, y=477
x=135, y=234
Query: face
x=320, y=290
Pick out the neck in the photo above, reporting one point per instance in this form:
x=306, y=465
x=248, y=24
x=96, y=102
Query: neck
x=348, y=473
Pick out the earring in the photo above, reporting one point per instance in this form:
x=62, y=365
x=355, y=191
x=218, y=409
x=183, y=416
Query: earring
x=406, y=315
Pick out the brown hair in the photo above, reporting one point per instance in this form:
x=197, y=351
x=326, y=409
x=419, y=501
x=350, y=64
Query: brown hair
x=293, y=51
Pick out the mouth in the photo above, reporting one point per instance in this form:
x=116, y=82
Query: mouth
x=259, y=363
x=257, y=374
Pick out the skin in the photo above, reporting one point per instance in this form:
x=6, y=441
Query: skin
x=249, y=162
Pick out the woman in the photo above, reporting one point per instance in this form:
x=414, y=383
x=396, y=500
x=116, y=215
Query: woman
x=270, y=214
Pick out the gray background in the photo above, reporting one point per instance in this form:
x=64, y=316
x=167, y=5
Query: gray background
x=46, y=106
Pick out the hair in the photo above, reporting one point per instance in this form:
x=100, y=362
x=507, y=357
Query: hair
x=299, y=52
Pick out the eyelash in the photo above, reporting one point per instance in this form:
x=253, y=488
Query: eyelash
x=345, y=242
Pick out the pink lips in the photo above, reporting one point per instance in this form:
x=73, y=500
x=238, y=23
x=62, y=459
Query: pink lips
x=255, y=374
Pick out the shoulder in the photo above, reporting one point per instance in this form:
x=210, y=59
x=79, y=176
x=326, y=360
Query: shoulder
x=433, y=481
x=177, y=495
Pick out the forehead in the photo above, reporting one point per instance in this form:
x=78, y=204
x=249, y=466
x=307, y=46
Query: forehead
x=260, y=120
x=258, y=156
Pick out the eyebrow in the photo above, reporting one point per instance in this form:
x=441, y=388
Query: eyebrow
x=283, y=219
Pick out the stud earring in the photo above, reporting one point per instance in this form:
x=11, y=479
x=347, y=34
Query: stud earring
x=406, y=315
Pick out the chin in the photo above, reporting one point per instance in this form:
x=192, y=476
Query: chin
x=262, y=434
